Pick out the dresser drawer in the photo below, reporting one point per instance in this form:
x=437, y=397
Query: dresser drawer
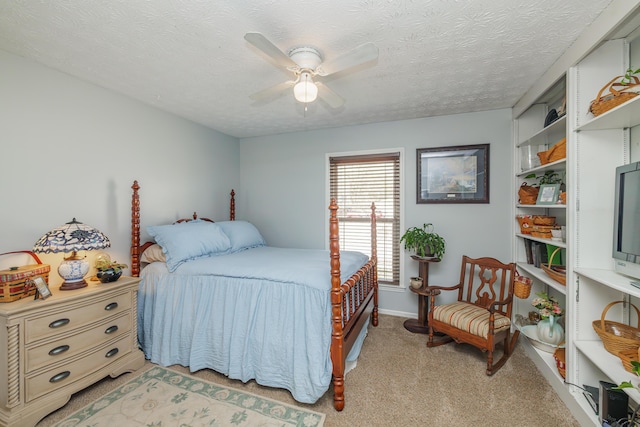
x=68, y=320
x=69, y=346
x=52, y=379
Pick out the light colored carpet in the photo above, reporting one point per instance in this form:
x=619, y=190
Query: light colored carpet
x=400, y=382
x=161, y=396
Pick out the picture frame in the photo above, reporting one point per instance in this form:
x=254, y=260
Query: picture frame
x=42, y=289
x=456, y=174
x=548, y=194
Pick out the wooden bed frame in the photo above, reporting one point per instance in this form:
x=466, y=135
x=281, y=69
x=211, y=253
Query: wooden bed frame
x=352, y=302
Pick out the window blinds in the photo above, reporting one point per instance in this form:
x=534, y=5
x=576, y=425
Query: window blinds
x=355, y=183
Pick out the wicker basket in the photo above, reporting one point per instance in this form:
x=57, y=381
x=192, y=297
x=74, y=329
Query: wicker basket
x=627, y=356
x=522, y=287
x=542, y=231
x=617, y=95
x=525, y=222
x=616, y=336
x=561, y=364
x=556, y=272
x=544, y=220
x=555, y=153
x=528, y=194
x=563, y=197
x=13, y=282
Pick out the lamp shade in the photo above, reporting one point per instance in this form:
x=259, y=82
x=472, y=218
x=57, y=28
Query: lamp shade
x=72, y=237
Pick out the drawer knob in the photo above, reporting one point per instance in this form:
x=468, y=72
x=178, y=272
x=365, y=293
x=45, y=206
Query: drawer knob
x=111, y=306
x=59, y=377
x=111, y=329
x=58, y=350
x=112, y=352
x=58, y=323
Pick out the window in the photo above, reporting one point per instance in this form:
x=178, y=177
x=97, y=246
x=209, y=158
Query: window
x=357, y=181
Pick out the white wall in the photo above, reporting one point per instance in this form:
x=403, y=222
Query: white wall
x=283, y=180
x=72, y=149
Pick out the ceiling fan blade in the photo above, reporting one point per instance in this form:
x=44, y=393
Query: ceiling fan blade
x=269, y=49
x=272, y=92
x=365, y=53
x=330, y=97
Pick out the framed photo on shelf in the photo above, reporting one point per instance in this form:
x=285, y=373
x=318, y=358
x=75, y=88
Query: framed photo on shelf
x=457, y=174
x=42, y=289
x=548, y=194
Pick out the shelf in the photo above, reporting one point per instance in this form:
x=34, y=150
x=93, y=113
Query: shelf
x=543, y=358
x=608, y=363
x=556, y=206
x=549, y=135
x=541, y=240
x=611, y=279
x=540, y=275
x=543, y=168
x=623, y=116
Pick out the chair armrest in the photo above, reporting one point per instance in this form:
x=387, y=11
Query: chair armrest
x=435, y=290
x=492, y=307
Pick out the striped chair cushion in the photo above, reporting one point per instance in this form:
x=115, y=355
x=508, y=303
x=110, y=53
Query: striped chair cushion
x=470, y=318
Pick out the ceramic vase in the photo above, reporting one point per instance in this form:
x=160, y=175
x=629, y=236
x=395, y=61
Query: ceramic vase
x=550, y=332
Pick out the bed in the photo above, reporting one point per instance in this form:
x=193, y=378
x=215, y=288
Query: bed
x=286, y=318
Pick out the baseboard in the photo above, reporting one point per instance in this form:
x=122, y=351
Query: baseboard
x=397, y=313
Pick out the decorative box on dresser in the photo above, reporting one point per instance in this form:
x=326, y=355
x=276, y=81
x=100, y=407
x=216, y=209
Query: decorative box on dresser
x=55, y=347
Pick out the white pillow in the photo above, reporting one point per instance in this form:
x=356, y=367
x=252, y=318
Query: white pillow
x=153, y=254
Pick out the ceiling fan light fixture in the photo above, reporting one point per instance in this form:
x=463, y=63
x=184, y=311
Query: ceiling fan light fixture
x=305, y=90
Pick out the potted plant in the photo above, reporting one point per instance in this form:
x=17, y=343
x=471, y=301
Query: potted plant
x=424, y=241
x=108, y=271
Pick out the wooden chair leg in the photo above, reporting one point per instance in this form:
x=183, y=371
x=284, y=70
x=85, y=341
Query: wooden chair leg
x=508, y=346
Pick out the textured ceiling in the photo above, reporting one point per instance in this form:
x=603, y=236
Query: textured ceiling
x=189, y=57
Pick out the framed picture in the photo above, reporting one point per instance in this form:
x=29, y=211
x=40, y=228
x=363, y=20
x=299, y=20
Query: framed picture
x=548, y=194
x=458, y=174
x=42, y=289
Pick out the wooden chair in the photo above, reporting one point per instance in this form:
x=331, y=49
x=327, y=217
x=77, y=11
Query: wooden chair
x=482, y=314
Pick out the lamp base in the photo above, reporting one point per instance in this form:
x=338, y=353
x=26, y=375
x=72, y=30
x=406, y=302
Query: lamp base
x=72, y=270
x=68, y=286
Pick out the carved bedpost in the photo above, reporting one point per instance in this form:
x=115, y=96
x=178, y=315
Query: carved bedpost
x=232, y=206
x=337, y=338
x=374, y=257
x=135, y=230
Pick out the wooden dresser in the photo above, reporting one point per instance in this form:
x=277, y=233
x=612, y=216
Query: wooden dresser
x=52, y=348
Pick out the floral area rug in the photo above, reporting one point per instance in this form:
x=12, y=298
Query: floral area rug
x=163, y=397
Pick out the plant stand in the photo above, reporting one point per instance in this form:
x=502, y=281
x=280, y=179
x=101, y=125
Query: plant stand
x=420, y=325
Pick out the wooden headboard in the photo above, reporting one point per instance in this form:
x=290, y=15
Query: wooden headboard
x=136, y=247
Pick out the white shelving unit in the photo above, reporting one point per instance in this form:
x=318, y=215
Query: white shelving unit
x=595, y=147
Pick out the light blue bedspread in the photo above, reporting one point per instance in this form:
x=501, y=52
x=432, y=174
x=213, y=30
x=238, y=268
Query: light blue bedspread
x=263, y=314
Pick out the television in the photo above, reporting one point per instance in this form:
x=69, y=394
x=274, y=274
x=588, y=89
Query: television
x=626, y=228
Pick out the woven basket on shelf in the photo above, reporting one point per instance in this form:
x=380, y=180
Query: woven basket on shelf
x=556, y=272
x=528, y=194
x=555, y=153
x=617, y=95
x=561, y=364
x=544, y=220
x=522, y=287
x=525, y=222
x=616, y=336
x=627, y=356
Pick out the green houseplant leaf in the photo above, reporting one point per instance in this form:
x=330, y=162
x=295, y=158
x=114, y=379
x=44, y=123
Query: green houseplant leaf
x=423, y=241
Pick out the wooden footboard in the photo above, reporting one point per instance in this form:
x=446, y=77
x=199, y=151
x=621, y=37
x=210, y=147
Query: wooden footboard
x=352, y=302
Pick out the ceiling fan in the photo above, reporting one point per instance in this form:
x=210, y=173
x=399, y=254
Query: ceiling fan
x=305, y=62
